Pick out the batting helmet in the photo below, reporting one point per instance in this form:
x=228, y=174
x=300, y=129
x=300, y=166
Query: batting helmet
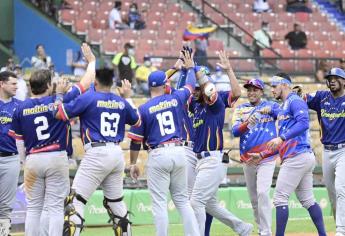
x=335, y=72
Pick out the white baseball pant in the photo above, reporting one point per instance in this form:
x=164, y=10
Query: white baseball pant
x=101, y=166
x=46, y=182
x=9, y=173
x=258, y=181
x=166, y=170
x=296, y=175
x=210, y=173
x=333, y=167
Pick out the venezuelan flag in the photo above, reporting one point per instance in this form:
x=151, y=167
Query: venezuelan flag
x=192, y=33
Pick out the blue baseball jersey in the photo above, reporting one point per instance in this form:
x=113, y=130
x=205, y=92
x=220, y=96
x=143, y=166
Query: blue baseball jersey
x=187, y=121
x=162, y=118
x=254, y=140
x=102, y=115
x=7, y=142
x=293, y=126
x=208, y=122
x=34, y=122
x=331, y=115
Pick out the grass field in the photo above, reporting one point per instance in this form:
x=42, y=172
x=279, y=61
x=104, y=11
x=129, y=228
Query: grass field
x=295, y=227
x=301, y=227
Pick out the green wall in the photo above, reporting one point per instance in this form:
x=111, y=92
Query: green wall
x=6, y=20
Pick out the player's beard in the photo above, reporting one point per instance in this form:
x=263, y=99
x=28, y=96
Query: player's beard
x=335, y=86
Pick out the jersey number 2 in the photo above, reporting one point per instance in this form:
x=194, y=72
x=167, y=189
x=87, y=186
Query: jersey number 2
x=43, y=126
x=166, y=122
x=109, y=124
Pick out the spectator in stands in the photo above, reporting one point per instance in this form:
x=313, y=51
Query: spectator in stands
x=321, y=70
x=55, y=75
x=260, y=6
x=115, y=20
x=262, y=40
x=142, y=74
x=124, y=65
x=294, y=6
x=200, y=55
x=297, y=39
x=22, y=89
x=80, y=65
x=41, y=60
x=9, y=65
x=134, y=18
x=342, y=63
x=221, y=80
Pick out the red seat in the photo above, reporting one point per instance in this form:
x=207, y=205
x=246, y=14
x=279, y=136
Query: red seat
x=100, y=23
x=66, y=16
x=163, y=45
x=305, y=66
x=81, y=26
x=287, y=65
x=244, y=65
x=302, y=16
x=110, y=46
x=215, y=45
x=148, y=34
x=94, y=36
x=304, y=53
x=322, y=53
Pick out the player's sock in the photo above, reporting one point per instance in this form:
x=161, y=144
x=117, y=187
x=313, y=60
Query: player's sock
x=282, y=215
x=316, y=215
x=208, y=223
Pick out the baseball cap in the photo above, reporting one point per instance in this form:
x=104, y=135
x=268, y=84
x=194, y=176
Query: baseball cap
x=157, y=78
x=335, y=72
x=257, y=83
x=204, y=69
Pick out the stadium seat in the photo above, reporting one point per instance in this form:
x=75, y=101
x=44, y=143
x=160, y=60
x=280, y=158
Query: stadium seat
x=81, y=26
x=110, y=46
x=94, y=36
x=66, y=16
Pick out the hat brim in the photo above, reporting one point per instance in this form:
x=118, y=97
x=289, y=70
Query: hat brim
x=252, y=85
x=327, y=76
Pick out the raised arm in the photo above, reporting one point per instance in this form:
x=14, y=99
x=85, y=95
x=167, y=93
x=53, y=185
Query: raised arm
x=90, y=73
x=225, y=65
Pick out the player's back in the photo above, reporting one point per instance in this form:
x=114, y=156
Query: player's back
x=162, y=119
x=34, y=122
x=103, y=116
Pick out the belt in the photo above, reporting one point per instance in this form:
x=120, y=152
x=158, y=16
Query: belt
x=332, y=147
x=103, y=144
x=7, y=154
x=188, y=144
x=203, y=155
x=177, y=144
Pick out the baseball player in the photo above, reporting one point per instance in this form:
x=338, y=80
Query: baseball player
x=46, y=177
x=211, y=168
x=298, y=160
x=255, y=130
x=330, y=106
x=103, y=116
x=166, y=167
x=9, y=159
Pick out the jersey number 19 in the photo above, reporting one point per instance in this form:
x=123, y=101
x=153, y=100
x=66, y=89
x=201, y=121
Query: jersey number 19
x=166, y=123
